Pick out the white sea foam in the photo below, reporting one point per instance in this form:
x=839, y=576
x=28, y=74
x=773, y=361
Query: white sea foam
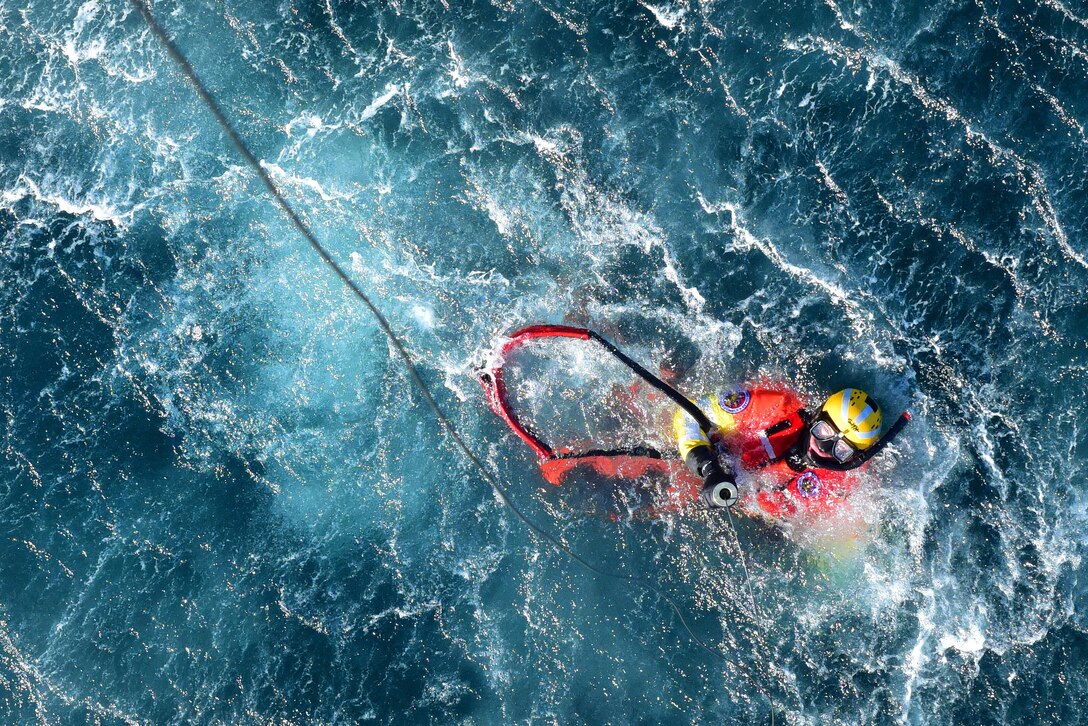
x=483, y=196
x=666, y=15
x=970, y=640
x=310, y=124
x=338, y=31
x=90, y=50
x=424, y=315
x=918, y=657
x=458, y=73
x=1062, y=113
x=392, y=90
x=281, y=176
x=103, y=210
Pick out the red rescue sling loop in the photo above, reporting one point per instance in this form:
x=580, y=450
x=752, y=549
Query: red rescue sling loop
x=492, y=381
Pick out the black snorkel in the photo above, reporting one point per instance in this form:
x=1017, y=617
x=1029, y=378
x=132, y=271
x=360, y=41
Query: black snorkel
x=899, y=425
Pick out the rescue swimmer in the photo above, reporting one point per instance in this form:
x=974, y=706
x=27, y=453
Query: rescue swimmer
x=807, y=462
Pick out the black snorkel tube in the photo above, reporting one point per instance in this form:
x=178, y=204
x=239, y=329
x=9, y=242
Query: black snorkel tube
x=678, y=398
x=899, y=425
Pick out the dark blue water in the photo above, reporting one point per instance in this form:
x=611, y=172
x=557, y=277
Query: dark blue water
x=223, y=501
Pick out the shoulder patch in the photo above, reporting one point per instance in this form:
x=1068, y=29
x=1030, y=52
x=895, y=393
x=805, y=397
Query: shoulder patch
x=808, y=484
x=735, y=401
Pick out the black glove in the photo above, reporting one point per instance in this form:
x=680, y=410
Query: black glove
x=702, y=461
x=719, y=489
x=719, y=485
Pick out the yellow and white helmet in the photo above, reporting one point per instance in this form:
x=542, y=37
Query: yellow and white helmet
x=856, y=415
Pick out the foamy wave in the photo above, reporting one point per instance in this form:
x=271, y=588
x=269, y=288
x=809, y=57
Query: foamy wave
x=666, y=15
x=284, y=178
x=392, y=90
x=102, y=211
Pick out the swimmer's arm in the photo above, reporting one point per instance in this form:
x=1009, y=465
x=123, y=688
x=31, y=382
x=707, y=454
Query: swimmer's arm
x=691, y=441
x=689, y=437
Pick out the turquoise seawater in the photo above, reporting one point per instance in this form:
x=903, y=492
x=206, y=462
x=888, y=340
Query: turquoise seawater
x=223, y=501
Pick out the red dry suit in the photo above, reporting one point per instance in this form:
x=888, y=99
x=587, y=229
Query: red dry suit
x=765, y=431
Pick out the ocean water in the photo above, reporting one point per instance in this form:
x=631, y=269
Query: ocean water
x=222, y=500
